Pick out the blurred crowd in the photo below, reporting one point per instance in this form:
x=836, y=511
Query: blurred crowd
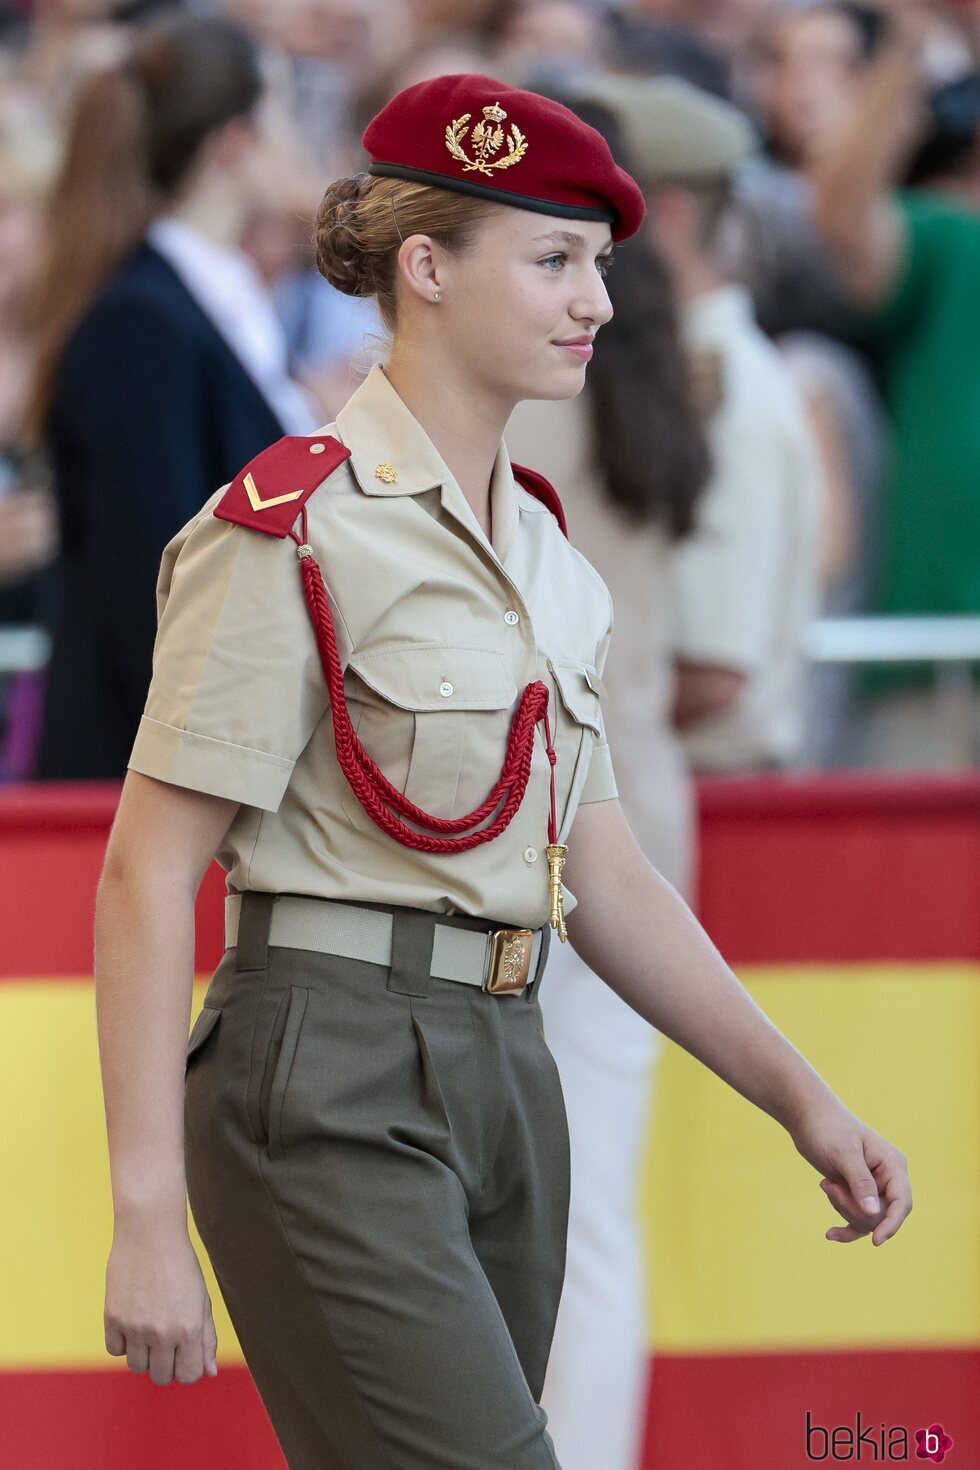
x=810, y=255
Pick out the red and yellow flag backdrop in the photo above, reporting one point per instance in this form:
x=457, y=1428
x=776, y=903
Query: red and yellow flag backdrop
x=847, y=905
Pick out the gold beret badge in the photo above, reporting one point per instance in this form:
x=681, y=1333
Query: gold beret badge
x=486, y=138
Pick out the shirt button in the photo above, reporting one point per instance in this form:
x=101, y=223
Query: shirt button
x=510, y=616
x=530, y=854
x=445, y=687
x=317, y=448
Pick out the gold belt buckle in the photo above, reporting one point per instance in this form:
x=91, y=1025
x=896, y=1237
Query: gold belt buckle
x=510, y=960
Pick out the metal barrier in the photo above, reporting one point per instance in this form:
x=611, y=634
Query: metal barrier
x=23, y=649
x=950, y=644
x=938, y=640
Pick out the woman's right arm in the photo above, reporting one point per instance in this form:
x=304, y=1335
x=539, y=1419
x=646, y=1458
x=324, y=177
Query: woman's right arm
x=163, y=839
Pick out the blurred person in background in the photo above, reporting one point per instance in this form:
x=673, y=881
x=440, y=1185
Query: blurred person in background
x=630, y=456
x=161, y=363
x=804, y=67
x=748, y=577
x=324, y=53
x=798, y=72
x=549, y=41
x=653, y=48
x=66, y=41
x=332, y=337
x=14, y=28
x=721, y=24
x=29, y=157
x=910, y=258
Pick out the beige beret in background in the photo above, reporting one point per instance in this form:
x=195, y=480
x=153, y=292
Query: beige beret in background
x=673, y=129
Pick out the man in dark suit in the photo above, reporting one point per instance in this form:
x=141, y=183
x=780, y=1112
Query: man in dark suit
x=152, y=412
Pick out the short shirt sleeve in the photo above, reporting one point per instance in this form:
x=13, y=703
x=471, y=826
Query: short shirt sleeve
x=600, y=780
x=237, y=686
x=730, y=570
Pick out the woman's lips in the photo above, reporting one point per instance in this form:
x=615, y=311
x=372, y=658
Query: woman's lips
x=581, y=350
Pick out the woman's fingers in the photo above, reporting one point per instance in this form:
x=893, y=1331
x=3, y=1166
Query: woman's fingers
x=897, y=1191
x=158, y=1310
x=862, y=1183
x=189, y=1360
x=857, y=1224
x=844, y=1233
x=137, y=1354
x=210, y=1341
x=894, y=1199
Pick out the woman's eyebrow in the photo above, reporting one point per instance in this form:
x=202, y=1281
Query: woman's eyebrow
x=570, y=237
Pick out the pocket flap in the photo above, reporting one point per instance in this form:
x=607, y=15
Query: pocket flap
x=577, y=694
x=414, y=675
x=202, y=1028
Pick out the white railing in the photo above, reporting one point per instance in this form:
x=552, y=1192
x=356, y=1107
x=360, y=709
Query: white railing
x=938, y=640
x=23, y=648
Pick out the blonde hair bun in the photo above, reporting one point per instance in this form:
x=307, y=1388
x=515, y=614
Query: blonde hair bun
x=341, y=257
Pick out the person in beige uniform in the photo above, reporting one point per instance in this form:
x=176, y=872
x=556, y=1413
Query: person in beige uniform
x=747, y=580
x=436, y=645
x=369, y=1125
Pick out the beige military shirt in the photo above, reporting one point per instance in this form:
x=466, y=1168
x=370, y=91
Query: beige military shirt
x=747, y=579
x=439, y=631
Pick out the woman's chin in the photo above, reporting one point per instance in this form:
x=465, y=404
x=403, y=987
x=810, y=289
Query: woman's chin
x=566, y=382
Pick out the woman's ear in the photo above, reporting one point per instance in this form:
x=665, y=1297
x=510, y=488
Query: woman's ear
x=420, y=263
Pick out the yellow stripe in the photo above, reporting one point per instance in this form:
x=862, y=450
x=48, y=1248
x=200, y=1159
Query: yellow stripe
x=56, y=1221
x=735, y=1217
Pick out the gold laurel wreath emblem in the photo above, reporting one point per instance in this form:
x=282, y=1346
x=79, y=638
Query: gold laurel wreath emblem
x=486, y=138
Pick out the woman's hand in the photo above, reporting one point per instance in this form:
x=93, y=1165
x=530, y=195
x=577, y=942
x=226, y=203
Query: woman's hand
x=865, y=1177
x=157, y=1308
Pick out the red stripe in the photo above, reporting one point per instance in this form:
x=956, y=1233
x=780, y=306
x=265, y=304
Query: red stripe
x=748, y=1411
x=720, y=1412
x=841, y=868
x=891, y=793
x=118, y=1420
x=53, y=837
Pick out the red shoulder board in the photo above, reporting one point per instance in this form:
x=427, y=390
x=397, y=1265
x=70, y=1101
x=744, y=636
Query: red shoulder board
x=269, y=493
x=542, y=490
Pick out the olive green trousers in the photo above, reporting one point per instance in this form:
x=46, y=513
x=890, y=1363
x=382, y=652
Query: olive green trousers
x=378, y=1166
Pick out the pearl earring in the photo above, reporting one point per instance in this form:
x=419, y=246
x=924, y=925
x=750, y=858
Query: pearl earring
x=435, y=295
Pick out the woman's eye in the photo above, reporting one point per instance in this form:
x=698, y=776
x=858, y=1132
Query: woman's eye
x=603, y=262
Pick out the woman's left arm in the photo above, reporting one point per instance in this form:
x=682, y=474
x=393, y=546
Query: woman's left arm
x=636, y=932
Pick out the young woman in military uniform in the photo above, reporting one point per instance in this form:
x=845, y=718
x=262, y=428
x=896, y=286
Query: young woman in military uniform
x=376, y=698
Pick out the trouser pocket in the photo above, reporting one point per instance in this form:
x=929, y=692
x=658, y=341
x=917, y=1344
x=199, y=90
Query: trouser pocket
x=275, y=1039
x=200, y=1031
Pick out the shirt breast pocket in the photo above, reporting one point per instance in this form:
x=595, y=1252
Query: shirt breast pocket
x=576, y=726
x=435, y=718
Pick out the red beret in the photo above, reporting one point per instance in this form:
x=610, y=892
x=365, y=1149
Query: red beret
x=477, y=135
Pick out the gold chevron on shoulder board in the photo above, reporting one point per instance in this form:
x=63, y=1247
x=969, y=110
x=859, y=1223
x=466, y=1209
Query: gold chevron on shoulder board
x=252, y=490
